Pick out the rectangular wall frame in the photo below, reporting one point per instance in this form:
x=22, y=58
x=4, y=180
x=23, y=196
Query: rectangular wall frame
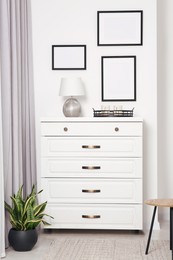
x=119, y=28
x=68, y=57
x=118, y=78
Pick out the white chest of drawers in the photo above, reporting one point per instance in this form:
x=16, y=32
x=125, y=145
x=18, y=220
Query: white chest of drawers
x=91, y=172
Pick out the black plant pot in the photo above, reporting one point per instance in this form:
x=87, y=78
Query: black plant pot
x=22, y=240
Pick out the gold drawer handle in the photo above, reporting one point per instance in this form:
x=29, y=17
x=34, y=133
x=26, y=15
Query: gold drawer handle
x=91, y=146
x=91, y=191
x=91, y=216
x=91, y=167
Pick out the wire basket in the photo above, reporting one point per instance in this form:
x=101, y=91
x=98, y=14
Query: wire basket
x=113, y=113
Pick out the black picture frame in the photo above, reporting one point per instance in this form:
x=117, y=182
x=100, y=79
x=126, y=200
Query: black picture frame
x=68, y=57
x=118, y=78
x=129, y=24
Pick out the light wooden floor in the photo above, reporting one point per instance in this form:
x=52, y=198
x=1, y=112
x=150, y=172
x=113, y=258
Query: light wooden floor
x=45, y=239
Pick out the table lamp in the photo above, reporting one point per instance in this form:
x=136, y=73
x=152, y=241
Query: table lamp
x=71, y=87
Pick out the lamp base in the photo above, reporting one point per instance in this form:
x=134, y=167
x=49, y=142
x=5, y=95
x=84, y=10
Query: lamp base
x=72, y=108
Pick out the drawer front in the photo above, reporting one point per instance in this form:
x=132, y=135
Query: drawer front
x=96, y=191
x=95, y=216
x=117, y=146
x=92, y=168
x=91, y=128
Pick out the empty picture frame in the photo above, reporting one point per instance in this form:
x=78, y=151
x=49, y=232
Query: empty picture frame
x=68, y=57
x=118, y=78
x=116, y=28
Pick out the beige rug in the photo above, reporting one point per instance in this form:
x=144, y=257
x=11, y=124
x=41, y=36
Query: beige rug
x=107, y=249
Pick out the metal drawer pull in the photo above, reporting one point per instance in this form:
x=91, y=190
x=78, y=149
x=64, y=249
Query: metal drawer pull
x=91, y=167
x=91, y=191
x=91, y=146
x=91, y=216
x=65, y=129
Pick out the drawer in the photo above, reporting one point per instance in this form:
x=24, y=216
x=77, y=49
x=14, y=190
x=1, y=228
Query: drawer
x=95, y=216
x=93, y=191
x=92, y=168
x=91, y=128
x=107, y=146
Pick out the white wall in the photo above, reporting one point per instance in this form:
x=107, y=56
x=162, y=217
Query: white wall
x=75, y=22
x=165, y=101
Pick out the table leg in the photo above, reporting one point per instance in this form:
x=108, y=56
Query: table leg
x=151, y=229
x=171, y=230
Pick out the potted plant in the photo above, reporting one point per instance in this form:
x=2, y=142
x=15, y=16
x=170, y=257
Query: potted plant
x=25, y=216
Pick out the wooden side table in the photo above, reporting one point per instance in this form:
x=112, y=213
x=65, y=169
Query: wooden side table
x=160, y=203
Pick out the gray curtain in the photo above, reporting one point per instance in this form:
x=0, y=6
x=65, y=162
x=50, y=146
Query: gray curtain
x=17, y=97
x=2, y=218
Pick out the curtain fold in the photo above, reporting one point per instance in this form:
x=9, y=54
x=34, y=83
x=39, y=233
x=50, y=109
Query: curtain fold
x=17, y=97
x=2, y=219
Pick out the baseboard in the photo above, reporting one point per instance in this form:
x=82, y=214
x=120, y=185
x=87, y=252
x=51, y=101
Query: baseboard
x=3, y=255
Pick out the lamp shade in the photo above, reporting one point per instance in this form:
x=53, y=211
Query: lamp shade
x=71, y=87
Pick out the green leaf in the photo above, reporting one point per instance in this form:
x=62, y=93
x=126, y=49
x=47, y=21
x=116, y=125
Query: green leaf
x=8, y=208
x=30, y=212
x=45, y=223
x=44, y=214
x=26, y=214
x=39, y=191
x=40, y=208
x=27, y=203
x=19, y=193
